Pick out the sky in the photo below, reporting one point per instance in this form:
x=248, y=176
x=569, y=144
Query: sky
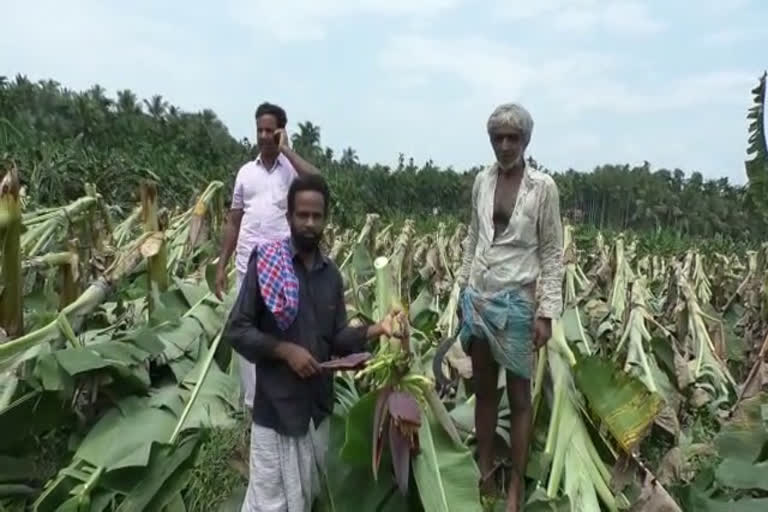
x=606, y=81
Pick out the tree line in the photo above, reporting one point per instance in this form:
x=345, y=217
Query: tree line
x=61, y=139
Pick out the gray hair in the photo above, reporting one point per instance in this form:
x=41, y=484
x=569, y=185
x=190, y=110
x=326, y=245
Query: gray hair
x=512, y=115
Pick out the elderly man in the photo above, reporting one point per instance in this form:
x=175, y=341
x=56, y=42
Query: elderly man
x=258, y=210
x=514, y=243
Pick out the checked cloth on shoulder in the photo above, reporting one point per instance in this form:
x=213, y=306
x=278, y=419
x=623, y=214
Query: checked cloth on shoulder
x=277, y=281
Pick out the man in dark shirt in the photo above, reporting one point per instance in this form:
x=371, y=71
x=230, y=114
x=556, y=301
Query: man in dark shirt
x=293, y=394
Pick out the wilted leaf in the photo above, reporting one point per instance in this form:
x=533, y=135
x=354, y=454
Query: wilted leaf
x=700, y=397
x=683, y=372
x=654, y=498
x=621, y=401
x=671, y=466
x=667, y=419
x=459, y=360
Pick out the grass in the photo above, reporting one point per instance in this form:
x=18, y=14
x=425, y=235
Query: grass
x=221, y=468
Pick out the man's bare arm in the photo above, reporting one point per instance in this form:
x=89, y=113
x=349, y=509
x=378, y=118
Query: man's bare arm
x=228, y=244
x=303, y=168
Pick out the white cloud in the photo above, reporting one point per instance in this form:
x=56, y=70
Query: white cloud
x=575, y=81
x=310, y=20
x=625, y=17
x=489, y=68
x=698, y=90
x=90, y=39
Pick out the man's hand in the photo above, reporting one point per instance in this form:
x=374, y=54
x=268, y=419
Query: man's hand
x=388, y=323
x=388, y=326
x=285, y=141
x=221, y=282
x=542, y=331
x=299, y=359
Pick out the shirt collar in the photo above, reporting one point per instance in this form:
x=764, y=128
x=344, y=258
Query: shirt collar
x=278, y=162
x=495, y=169
x=321, y=262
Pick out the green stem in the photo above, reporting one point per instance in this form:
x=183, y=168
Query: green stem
x=198, y=386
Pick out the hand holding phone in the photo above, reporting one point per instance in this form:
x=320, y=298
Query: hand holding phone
x=281, y=138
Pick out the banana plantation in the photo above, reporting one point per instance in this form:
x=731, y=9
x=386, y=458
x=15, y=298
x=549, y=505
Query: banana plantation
x=117, y=392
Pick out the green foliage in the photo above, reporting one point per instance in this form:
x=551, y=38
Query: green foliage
x=62, y=139
x=757, y=165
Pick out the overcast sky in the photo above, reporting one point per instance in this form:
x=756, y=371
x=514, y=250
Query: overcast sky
x=607, y=81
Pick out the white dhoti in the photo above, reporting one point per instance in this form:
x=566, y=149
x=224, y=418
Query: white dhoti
x=247, y=368
x=285, y=471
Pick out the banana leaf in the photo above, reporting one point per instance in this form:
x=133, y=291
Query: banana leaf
x=743, y=444
x=348, y=486
x=699, y=501
x=445, y=473
x=623, y=402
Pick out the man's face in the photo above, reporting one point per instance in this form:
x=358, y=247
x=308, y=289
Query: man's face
x=508, y=144
x=266, y=126
x=307, y=220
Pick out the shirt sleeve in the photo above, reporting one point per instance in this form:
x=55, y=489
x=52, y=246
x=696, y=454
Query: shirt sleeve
x=241, y=329
x=470, y=241
x=550, y=232
x=238, y=201
x=347, y=340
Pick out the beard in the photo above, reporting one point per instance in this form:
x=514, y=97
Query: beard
x=306, y=241
x=510, y=163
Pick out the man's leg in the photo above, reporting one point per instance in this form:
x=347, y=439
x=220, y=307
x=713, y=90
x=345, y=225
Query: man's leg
x=266, y=490
x=520, y=415
x=485, y=375
x=320, y=437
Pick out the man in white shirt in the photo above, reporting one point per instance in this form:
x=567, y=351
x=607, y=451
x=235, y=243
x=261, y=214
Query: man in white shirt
x=258, y=210
x=513, y=247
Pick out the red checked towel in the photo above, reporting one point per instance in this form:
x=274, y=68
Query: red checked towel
x=277, y=281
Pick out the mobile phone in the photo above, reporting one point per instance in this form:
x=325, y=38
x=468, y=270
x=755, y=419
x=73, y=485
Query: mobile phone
x=277, y=138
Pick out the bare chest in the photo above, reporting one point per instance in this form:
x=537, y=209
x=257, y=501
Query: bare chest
x=504, y=200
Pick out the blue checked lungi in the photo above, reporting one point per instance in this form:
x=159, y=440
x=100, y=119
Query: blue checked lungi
x=504, y=320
